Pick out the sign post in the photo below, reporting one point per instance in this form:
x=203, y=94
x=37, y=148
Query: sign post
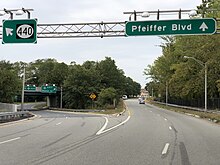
x=92, y=96
x=19, y=31
x=171, y=27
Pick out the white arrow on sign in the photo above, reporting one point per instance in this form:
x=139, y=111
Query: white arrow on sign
x=203, y=27
x=9, y=31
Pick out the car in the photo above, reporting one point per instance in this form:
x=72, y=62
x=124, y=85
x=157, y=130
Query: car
x=124, y=97
x=141, y=100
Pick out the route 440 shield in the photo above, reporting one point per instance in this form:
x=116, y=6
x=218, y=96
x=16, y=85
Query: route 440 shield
x=19, y=31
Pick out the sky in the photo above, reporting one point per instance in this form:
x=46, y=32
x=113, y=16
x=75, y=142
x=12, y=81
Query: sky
x=131, y=54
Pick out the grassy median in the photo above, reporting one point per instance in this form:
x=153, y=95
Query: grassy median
x=119, y=109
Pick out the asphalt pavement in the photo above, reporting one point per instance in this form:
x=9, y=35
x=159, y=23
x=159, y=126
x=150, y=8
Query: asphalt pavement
x=143, y=135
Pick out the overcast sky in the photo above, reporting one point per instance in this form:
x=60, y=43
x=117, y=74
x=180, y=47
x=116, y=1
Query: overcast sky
x=132, y=54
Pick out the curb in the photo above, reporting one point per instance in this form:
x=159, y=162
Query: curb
x=78, y=113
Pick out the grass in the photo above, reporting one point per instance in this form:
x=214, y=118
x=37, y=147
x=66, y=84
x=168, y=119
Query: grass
x=215, y=117
x=39, y=106
x=120, y=108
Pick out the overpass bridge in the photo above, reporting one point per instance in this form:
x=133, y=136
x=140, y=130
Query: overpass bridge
x=53, y=98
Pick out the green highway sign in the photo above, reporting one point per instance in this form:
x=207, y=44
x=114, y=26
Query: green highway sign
x=171, y=27
x=19, y=31
x=48, y=89
x=30, y=88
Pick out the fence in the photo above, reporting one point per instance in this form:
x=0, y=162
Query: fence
x=212, y=104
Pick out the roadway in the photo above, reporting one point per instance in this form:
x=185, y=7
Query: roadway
x=141, y=136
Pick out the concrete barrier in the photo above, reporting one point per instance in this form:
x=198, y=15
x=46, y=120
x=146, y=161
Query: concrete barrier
x=4, y=107
x=12, y=116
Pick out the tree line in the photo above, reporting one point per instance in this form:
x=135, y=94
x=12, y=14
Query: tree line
x=184, y=77
x=103, y=78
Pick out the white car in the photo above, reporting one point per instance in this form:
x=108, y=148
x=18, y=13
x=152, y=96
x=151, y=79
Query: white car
x=124, y=97
x=141, y=100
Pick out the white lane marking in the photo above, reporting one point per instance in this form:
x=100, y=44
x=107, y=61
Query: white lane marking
x=165, y=149
x=10, y=140
x=165, y=119
x=109, y=129
x=170, y=127
x=103, y=127
x=59, y=123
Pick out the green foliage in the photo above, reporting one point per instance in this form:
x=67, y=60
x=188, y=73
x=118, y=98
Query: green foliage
x=131, y=88
x=47, y=71
x=9, y=82
x=185, y=77
x=99, y=78
x=110, y=75
x=103, y=78
x=78, y=86
x=107, y=96
x=218, y=85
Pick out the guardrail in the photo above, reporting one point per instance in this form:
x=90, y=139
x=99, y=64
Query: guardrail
x=12, y=116
x=186, y=107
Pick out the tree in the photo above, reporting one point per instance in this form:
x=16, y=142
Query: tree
x=111, y=76
x=131, y=88
x=78, y=86
x=9, y=82
x=48, y=71
x=107, y=96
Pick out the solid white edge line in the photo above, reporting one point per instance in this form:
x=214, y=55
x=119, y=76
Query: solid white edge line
x=10, y=140
x=103, y=127
x=116, y=125
x=165, y=149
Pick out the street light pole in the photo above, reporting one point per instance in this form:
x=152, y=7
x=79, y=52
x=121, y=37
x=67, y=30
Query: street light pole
x=205, y=66
x=22, y=93
x=205, y=87
x=166, y=93
x=61, y=97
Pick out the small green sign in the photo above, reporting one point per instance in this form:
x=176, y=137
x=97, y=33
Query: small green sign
x=171, y=27
x=48, y=89
x=30, y=88
x=19, y=31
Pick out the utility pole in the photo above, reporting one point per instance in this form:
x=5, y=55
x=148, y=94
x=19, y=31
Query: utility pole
x=22, y=93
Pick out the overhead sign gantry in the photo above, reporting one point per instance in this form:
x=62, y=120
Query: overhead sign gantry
x=20, y=32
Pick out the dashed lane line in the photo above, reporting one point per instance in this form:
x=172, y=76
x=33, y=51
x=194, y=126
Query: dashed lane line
x=10, y=140
x=165, y=149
